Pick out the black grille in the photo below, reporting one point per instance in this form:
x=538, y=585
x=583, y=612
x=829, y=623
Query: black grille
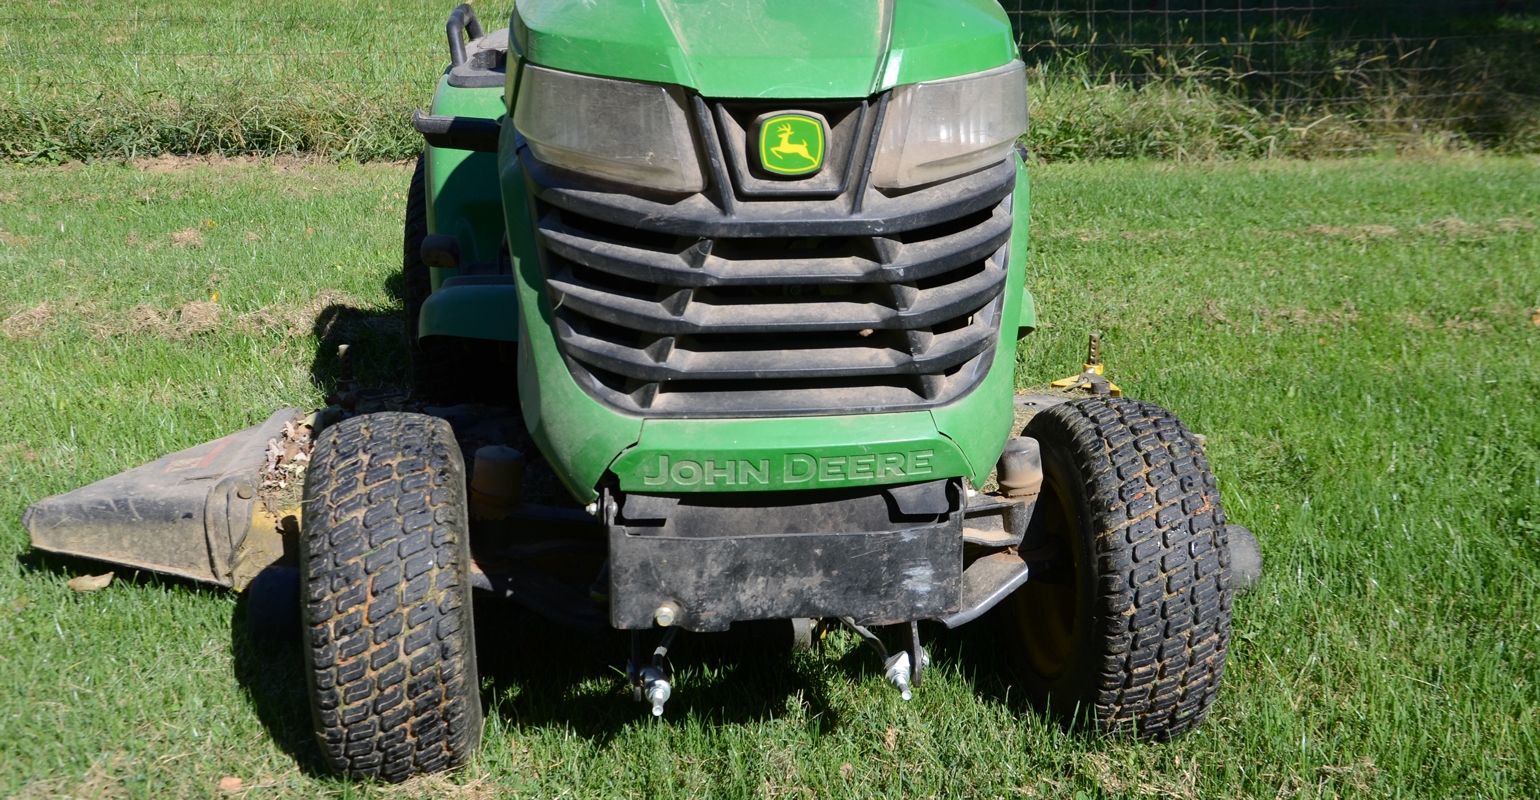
x=655, y=321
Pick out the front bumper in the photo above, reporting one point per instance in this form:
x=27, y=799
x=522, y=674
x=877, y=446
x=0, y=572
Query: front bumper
x=893, y=555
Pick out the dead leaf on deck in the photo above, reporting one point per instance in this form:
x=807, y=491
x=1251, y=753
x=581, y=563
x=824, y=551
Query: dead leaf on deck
x=90, y=583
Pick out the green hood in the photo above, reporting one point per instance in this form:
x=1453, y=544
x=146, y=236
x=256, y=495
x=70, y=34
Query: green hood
x=767, y=48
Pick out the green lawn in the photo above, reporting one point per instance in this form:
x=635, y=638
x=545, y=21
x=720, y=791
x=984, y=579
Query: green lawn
x=1360, y=342
x=91, y=78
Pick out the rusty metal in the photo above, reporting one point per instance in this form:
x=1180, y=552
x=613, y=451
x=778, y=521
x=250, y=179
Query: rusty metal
x=195, y=514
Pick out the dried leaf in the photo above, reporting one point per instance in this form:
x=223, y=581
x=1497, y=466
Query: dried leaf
x=230, y=783
x=90, y=583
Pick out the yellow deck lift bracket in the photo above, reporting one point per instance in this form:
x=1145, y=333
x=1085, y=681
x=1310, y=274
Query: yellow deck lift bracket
x=1091, y=379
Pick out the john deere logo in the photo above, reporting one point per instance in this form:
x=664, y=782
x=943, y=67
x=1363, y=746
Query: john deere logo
x=791, y=144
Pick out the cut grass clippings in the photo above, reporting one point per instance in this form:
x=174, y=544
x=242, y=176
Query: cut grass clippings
x=1359, y=342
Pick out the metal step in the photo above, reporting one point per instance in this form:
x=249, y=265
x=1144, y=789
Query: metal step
x=986, y=582
x=993, y=521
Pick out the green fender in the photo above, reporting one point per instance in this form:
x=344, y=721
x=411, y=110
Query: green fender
x=477, y=311
x=981, y=421
x=464, y=200
x=1027, y=323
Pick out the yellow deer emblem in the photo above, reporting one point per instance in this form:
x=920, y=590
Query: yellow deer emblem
x=787, y=147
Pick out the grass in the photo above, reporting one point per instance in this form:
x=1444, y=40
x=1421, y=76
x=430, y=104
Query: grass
x=120, y=78
x=1359, y=340
x=91, y=79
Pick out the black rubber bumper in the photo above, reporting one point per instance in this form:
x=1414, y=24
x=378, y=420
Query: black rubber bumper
x=899, y=569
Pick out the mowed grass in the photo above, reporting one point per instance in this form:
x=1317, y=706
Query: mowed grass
x=1360, y=342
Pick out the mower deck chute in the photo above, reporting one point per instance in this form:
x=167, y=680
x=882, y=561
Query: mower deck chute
x=188, y=514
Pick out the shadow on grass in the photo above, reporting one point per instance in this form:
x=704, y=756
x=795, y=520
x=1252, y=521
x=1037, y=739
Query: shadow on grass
x=272, y=675
x=536, y=674
x=377, y=347
x=67, y=566
x=979, y=653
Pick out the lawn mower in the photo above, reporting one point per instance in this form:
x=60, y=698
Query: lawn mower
x=712, y=315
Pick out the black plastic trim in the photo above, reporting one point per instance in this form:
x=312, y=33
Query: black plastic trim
x=462, y=20
x=487, y=67
x=458, y=133
x=720, y=266
x=801, y=397
x=701, y=216
x=949, y=350
x=864, y=308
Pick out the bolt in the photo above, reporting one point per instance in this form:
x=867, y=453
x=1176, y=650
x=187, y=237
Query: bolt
x=243, y=492
x=897, y=672
x=664, y=616
x=658, y=693
x=592, y=509
x=655, y=689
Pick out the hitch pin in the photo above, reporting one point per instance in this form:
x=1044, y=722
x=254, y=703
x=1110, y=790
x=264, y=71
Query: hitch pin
x=651, y=681
x=900, y=669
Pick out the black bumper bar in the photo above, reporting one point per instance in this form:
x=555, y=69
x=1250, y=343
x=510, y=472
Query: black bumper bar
x=458, y=133
x=910, y=567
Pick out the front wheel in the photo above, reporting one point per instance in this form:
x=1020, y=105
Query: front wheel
x=1131, y=630
x=385, y=571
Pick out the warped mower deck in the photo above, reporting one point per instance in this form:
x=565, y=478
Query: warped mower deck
x=223, y=511
x=195, y=513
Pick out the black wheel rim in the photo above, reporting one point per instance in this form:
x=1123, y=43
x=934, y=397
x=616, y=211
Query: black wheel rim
x=1046, y=611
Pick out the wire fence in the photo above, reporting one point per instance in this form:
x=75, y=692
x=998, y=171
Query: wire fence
x=1110, y=77
x=1465, y=68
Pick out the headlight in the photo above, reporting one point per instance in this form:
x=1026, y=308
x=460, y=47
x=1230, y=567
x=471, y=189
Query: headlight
x=634, y=133
x=940, y=129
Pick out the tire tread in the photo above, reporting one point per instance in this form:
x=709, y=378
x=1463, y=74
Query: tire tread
x=377, y=594
x=1163, y=599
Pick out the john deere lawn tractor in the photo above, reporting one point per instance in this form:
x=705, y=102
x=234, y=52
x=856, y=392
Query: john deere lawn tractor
x=747, y=280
